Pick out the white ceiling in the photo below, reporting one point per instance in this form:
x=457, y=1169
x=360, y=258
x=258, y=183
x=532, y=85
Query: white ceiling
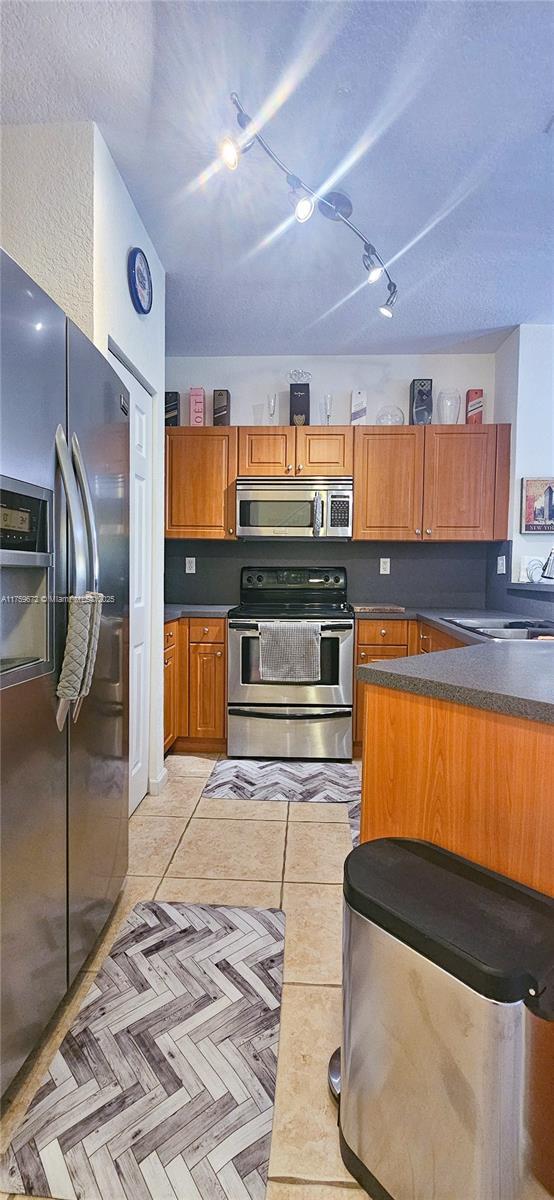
x=443, y=108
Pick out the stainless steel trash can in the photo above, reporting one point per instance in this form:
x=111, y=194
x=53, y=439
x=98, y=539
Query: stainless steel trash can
x=446, y=966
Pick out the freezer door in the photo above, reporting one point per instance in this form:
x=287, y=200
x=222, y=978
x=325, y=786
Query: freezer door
x=32, y=749
x=98, y=436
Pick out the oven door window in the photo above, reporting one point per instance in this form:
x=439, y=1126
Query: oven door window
x=275, y=513
x=329, y=663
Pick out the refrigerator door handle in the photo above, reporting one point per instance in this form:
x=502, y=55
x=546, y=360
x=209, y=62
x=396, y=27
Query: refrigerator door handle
x=82, y=478
x=80, y=560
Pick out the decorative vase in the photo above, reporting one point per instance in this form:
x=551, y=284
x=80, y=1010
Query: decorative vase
x=390, y=414
x=448, y=406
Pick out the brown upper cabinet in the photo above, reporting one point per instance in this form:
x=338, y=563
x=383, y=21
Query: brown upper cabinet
x=201, y=470
x=283, y=450
x=431, y=483
x=388, y=483
x=462, y=487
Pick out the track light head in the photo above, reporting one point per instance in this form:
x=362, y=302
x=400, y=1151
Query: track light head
x=304, y=209
x=230, y=153
x=372, y=264
x=386, y=310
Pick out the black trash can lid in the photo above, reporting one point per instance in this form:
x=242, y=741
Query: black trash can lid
x=493, y=934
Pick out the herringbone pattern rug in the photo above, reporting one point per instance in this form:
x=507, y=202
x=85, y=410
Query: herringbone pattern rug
x=284, y=779
x=163, y=1088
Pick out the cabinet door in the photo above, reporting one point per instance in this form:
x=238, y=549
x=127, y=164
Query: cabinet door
x=388, y=483
x=207, y=691
x=201, y=469
x=267, y=450
x=323, y=451
x=368, y=654
x=170, y=699
x=431, y=639
x=459, y=484
x=182, y=678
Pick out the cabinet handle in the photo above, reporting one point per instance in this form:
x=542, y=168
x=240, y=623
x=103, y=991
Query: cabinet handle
x=424, y=637
x=166, y=662
x=170, y=633
x=362, y=654
x=231, y=530
x=417, y=532
x=288, y=467
x=383, y=632
x=205, y=629
x=300, y=467
x=219, y=653
x=428, y=530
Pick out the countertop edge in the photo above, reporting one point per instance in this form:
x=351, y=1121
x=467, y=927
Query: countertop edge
x=465, y=695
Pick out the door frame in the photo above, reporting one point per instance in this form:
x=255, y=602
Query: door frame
x=157, y=772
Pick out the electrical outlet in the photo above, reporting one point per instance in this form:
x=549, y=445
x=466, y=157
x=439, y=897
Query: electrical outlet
x=190, y=566
x=501, y=564
x=384, y=566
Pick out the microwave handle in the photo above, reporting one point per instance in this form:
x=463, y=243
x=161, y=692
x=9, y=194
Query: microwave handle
x=318, y=513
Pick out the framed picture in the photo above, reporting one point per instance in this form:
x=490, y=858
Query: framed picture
x=537, y=505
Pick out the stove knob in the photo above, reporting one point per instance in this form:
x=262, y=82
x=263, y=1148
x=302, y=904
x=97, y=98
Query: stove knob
x=260, y=578
x=337, y=578
x=326, y=578
x=250, y=579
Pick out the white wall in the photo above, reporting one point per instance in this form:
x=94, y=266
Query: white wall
x=525, y=398
x=117, y=228
x=386, y=378
x=47, y=211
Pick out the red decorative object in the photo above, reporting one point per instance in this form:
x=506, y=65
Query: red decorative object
x=474, y=406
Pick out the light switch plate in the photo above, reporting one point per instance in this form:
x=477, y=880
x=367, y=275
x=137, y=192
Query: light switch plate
x=190, y=566
x=384, y=566
x=501, y=564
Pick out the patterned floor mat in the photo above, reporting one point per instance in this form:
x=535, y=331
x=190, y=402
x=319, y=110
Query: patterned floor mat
x=284, y=779
x=163, y=1088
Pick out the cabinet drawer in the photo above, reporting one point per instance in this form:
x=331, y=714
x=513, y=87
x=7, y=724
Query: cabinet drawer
x=368, y=654
x=392, y=633
x=170, y=634
x=207, y=629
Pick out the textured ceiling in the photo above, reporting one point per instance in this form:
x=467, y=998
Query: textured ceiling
x=434, y=118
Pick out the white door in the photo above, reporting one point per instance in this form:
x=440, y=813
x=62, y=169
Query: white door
x=140, y=583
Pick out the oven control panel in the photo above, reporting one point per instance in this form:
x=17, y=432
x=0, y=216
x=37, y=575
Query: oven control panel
x=293, y=579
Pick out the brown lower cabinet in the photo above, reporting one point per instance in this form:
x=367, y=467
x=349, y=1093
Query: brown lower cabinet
x=376, y=639
x=431, y=639
x=195, y=675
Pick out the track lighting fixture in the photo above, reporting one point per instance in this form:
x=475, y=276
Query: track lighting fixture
x=372, y=264
x=230, y=153
x=386, y=309
x=334, y=205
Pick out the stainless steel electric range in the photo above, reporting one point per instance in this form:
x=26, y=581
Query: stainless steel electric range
x=291, y=720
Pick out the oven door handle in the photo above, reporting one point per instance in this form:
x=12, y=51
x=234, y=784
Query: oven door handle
x=337, y=628
x=273, y=716
x=242, y=625
x=318, y=514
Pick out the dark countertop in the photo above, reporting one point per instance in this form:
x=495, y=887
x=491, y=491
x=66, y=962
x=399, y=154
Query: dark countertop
x=514, y=678
x=172, y=612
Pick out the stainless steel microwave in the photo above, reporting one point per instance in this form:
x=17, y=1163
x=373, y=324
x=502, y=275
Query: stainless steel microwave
x=307, y=508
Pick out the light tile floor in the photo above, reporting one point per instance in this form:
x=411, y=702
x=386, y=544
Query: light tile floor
x=270, y=854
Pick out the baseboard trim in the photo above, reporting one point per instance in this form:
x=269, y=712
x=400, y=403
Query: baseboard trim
x=188, y=745
x=155, y=786
x=361, y=1173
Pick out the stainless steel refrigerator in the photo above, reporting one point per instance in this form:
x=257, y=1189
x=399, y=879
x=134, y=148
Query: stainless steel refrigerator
x=64, y=529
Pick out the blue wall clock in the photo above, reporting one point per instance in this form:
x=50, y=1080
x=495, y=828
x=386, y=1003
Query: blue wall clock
x=140, y=280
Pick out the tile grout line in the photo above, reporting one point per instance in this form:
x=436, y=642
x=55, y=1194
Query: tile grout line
x=284, y=858
x=177, y=846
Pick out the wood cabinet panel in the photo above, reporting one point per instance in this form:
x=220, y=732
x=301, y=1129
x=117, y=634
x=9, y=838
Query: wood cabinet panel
x=473, y=781
x=201, y=469
x=365, y=655
x=170, y=698
x=183, y=678
x=388, y=483
x=207, y=629
x=386, y=633
x=322, y=450
x=207, y=691
x=459, y=482
x=267, y=450
x=431, y=639
x=502, y=482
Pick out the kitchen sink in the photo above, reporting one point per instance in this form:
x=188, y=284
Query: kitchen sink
x=506, y=629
